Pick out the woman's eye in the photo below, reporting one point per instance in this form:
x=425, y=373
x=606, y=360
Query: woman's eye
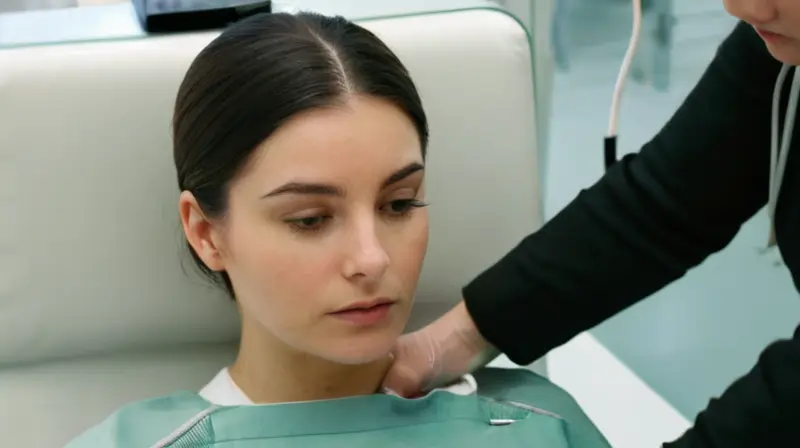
x=307, y=224
x=403, y=206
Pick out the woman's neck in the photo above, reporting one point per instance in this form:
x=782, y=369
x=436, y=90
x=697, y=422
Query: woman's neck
x=269, y=371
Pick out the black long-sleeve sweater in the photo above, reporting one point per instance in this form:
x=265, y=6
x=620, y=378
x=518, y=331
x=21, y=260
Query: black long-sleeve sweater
x=649, y=219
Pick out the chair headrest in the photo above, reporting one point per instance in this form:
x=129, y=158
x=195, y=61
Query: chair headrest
x=91, y=252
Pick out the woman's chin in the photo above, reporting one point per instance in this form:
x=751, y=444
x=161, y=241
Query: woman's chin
x=358, y=352
x=785, y=52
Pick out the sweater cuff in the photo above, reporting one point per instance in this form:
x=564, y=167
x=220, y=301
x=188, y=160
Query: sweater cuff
x=505, y=314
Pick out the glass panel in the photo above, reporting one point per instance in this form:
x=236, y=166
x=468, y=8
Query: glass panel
x=32, y=5
x=45, y=22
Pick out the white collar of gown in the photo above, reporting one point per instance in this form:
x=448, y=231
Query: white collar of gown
x=223, y=391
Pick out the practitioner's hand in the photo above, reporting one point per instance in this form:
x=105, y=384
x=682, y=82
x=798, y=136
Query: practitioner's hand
x=438, y=354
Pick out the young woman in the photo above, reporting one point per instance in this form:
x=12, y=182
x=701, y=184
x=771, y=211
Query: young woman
x=299, y=144
x=728, y=151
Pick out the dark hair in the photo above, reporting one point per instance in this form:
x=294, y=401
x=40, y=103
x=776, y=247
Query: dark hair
x=259, y=73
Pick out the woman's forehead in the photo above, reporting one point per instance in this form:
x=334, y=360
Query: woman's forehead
x=359, y=141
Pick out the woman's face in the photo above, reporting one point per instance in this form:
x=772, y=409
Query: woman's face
x=328, y=216
x=778, y=23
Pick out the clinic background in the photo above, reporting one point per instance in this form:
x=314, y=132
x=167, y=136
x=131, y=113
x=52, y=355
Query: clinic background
x=693, y=338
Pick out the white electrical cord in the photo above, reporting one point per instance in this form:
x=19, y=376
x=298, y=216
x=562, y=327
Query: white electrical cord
x=611, y=143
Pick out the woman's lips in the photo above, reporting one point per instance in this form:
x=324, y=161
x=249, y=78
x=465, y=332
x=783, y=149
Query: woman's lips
x=769, y=36
x=365, y=316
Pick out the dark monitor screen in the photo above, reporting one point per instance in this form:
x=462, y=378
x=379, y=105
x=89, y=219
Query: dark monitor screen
x=175, y=6
x=194, y=15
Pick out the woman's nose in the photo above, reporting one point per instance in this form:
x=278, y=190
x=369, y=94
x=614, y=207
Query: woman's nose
x=754, y=12
x=367, y=259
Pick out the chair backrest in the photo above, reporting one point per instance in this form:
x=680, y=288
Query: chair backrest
x=98, y=303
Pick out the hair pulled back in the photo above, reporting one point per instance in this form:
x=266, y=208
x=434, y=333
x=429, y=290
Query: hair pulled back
x=259, y=73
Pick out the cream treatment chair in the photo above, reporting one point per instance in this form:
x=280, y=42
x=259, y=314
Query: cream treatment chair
x=99, y=304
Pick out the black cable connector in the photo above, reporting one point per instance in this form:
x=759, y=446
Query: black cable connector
x=610, y=151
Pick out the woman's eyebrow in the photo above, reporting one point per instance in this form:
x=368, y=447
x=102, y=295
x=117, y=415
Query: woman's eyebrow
x=306, y=188
x=402, y=173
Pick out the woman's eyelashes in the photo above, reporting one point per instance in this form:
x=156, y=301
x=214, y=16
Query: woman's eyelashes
x=397, y=209
x=401, y=208
x=308, y=224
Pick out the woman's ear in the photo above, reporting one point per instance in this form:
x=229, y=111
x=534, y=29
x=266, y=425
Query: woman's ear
x=200, y=232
